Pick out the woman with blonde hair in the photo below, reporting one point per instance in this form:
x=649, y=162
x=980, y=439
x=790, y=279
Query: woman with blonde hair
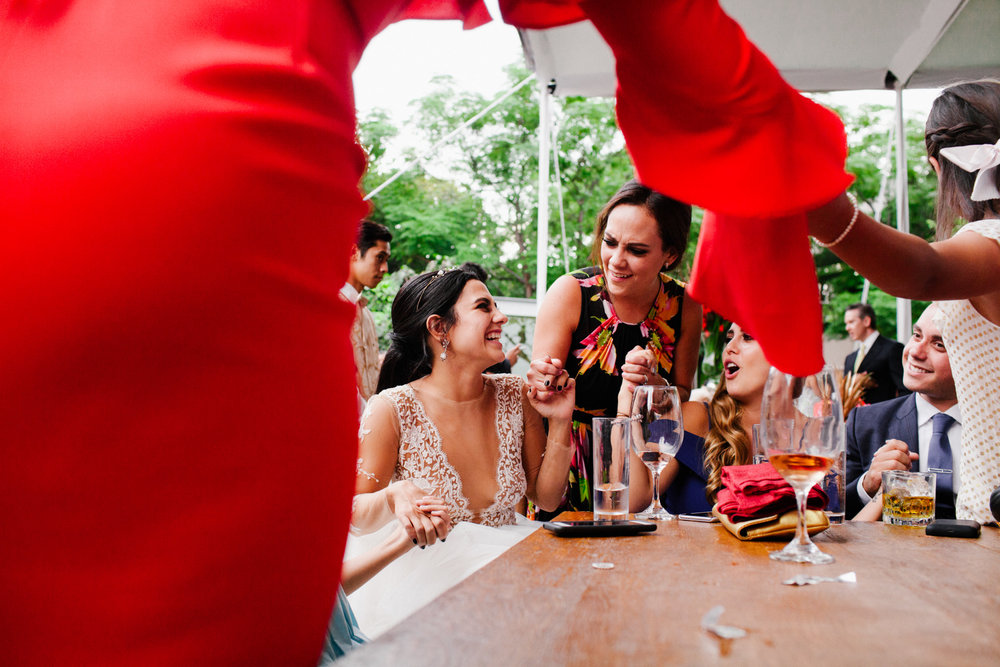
x=716, y=434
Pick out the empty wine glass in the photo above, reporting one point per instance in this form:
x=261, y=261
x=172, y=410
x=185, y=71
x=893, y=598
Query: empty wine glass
x=804, y=431
x=657, y=432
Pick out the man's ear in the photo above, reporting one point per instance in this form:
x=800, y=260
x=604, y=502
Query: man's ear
x=355, y=255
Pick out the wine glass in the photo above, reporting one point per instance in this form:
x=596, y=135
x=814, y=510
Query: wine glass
x=657, y=432
x=804, y=429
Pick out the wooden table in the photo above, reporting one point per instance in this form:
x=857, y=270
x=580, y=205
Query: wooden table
x=918, y=600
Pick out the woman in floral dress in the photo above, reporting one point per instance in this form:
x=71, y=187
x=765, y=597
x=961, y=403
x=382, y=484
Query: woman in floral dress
x=591, y=319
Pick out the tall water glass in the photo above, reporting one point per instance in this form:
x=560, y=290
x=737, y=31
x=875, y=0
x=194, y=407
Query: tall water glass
x=656, y=435
x=610, y=446
x=804, y=428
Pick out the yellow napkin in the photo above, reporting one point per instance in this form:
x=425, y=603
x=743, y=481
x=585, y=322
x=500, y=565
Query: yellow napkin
x=774, y=526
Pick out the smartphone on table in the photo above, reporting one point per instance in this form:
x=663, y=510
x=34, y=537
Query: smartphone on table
x=598, y=528
x=704, y=517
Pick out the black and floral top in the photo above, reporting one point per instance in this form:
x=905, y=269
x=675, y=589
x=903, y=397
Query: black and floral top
x=597, y=351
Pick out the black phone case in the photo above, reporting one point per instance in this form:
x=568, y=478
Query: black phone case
x=954, y=528
x=598, y=528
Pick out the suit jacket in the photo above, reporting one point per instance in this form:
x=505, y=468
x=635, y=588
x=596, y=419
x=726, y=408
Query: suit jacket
x=868, y=427
x=884, y=364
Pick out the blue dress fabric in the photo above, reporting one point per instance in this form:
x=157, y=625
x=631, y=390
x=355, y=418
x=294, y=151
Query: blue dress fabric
x=686, y=493
x=342, y=633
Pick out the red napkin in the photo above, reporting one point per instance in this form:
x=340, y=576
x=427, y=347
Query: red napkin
x=758, y=490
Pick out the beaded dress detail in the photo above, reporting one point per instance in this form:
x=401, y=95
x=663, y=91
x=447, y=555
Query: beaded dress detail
x=422, y=458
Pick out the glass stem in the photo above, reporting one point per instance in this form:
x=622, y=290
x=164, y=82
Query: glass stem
x=801, y=497
x=656, y=489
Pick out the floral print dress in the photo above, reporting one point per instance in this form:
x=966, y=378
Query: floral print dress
x=597, y=351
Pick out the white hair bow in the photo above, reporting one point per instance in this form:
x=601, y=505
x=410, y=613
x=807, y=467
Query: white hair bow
x=983, y=158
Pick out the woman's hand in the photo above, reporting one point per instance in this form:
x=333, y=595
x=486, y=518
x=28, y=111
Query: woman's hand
x=639, y=368
x=424, y=517
x=559, y=404
x=546, y=379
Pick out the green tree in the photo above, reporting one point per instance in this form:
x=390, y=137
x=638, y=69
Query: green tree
x=869, y=157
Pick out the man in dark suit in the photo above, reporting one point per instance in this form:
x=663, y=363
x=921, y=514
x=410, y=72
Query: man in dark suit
x=880, y=357
x=912, y=431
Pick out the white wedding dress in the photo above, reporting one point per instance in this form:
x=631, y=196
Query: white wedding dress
x=476, y=538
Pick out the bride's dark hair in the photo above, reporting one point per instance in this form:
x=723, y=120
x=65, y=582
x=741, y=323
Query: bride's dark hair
x=434, y=293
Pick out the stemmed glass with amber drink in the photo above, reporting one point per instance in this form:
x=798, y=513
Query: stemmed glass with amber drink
x=804, y=430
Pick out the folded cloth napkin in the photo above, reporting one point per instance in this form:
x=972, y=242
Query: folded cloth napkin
x=757, y=491
x=776, y=526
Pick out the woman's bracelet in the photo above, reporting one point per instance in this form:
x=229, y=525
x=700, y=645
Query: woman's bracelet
x=847, y=230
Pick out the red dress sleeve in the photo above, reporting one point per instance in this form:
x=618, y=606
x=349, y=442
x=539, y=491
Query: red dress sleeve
x=708, y=120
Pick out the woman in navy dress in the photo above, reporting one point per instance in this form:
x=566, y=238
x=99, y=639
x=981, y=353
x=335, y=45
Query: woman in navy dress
x=716, y=434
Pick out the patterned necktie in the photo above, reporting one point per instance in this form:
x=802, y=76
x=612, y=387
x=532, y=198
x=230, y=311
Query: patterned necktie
x=939, y=460
x=857, y=359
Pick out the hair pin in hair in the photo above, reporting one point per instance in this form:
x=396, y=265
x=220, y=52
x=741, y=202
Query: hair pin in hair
x=983, y=158
x=437, y=275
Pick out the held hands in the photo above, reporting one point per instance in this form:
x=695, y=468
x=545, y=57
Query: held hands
x=424, y=518
x=546, y=380
x=893, y=455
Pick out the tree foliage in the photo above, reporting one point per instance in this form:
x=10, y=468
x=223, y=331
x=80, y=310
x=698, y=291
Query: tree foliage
x=476, y=199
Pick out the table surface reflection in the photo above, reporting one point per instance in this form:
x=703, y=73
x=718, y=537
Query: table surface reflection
x=918, y=600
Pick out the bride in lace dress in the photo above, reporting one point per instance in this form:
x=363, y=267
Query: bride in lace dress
x=475, y=440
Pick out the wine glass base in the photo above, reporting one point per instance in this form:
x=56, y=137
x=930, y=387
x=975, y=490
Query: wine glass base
x=802, y=553
x=657, y=515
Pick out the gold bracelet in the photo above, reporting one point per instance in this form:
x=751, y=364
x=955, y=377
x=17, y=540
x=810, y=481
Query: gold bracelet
x=847, y=230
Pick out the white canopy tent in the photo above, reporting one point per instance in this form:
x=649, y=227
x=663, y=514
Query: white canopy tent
x=818, y=45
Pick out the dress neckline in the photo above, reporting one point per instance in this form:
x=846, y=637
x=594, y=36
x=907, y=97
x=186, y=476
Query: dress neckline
x=438, y=443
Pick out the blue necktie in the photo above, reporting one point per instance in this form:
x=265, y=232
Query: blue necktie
x=939, y=460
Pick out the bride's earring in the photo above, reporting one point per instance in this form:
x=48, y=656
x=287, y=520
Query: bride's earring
x=444, y=349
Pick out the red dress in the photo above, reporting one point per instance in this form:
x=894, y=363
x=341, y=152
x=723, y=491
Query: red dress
x=180, y=192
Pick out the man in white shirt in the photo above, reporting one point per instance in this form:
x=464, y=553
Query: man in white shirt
x=878, y=357
x=369, y=264
x=906, y=433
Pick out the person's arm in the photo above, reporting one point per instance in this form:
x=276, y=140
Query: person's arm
x=554, y=326
x=376, y=501
x=686, y=351
x=872, y=511
x=358, y=570
x=905, y=265
x=546, y=457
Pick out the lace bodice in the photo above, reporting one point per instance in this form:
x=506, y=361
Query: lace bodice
x=973, y=343
x=422, y=457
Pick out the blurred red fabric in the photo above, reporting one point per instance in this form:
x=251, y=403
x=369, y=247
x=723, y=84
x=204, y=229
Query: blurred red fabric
x=180, y=183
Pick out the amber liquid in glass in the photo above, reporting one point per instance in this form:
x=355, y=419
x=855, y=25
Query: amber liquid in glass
x=801, y=468
x=910, y=508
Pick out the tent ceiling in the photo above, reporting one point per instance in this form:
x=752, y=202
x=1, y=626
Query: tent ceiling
x=819, y=45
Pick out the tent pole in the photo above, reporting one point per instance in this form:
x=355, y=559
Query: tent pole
x=904, y=318
x=544, y=149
